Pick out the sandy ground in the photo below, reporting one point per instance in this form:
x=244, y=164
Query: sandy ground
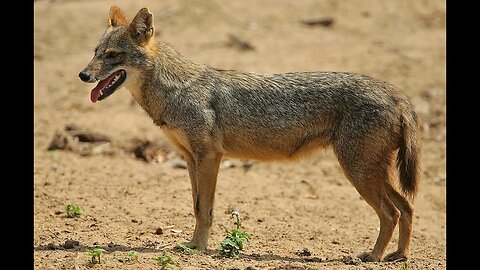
x=285, y=206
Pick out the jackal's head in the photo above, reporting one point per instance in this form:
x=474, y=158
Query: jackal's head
x=120, y=53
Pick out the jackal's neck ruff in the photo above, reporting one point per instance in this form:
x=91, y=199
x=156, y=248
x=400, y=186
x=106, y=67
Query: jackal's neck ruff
x=165, y=73
x=173, y=70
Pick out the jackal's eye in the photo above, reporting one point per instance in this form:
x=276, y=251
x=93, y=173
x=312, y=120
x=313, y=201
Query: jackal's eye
x=111, y=54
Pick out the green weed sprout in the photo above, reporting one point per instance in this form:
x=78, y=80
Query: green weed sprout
x=166, y=261
x=73, y=211
x=233, y=243
x=186, y=250
x=131, y=255
x=95, y=253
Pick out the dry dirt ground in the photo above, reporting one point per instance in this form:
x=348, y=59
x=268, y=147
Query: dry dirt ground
x=285, y=206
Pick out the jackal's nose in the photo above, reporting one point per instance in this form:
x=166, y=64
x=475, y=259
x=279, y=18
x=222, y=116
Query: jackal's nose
x=84, y=76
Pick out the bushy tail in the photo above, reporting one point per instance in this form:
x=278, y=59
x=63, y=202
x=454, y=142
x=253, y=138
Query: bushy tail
x=408, y=158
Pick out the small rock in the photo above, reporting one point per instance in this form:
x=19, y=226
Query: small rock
x=59, y=142
x=134, y=220
x=335, y=242
x=349, y=260
x=52, y=246
x=325, y=22
x=102, y=148
x=176, y=231
x=238, y=43
x=69, y=244
x=304, y=252
x=159, y=231
x=88, y=136
x=227, y=164
x=112, y=245
x=145, y=150
x=160, y=158
x=58, y=212
x=261, y=220
x=247, y=165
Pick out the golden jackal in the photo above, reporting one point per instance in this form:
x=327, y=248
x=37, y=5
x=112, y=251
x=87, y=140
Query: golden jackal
x=209, y=113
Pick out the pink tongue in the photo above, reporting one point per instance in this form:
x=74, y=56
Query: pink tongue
x=95, y=94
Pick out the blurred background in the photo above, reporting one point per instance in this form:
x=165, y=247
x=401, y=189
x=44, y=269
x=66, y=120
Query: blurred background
x=111, y=160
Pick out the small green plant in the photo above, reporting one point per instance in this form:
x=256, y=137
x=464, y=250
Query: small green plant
x=405, y=266
x=186, y=250
x=131, y=255
x=166, y=261
x=96, y=253
x=233, y=243
x=73, y=211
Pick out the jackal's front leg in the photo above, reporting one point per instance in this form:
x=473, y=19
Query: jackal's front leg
x=204, y=175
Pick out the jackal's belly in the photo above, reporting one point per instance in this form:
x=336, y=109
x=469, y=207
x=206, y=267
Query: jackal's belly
x=269, y=147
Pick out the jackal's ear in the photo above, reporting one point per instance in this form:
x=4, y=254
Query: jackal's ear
x=116, y=18
x=141, y=28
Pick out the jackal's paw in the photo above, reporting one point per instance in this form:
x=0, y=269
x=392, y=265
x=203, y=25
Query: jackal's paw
x=193, y=245
x=395, y=256
x=368, y=257
x=190, y=244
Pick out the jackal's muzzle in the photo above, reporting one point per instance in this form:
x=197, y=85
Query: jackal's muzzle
x=107, y=86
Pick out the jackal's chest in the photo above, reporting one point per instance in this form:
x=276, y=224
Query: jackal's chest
x=178, y=138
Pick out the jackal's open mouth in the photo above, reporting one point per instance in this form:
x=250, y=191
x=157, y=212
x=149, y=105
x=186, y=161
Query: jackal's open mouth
x=107, y=86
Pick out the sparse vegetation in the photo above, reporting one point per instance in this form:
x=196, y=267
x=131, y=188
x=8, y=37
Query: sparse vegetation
x=234, y=242
x=186, y=250
x=405, y=266
x=166, y=262
x=131, y=256
x=73, y=211
x=96, y=253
